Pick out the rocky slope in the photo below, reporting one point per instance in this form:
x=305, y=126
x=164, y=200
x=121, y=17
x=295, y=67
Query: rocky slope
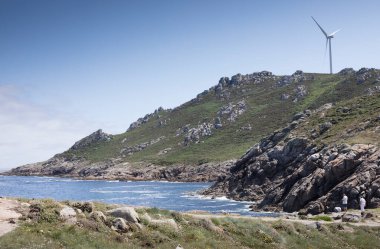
x=308, y=165
x=197, y=140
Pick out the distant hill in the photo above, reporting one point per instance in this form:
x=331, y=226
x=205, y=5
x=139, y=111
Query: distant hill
x=202, y=138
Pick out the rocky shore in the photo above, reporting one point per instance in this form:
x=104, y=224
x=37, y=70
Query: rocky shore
x=112, y=170
x=292, y=171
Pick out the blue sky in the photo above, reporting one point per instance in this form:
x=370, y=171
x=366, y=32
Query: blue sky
x=70, y=67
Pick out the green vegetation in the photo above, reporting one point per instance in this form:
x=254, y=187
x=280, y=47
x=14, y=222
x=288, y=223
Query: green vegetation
x=193, y=232
x=354, y=121
x=322, y=217
x=265, y=113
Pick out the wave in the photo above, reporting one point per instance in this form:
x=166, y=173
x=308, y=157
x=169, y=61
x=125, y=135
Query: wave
x=123, y=191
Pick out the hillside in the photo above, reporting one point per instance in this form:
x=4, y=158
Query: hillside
x=202, y=138
x=309, y=164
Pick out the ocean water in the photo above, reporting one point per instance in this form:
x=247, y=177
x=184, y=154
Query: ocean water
x=176, y=196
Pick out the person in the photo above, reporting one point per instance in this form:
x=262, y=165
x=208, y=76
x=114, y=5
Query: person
x=344, y=202
x=362, y=203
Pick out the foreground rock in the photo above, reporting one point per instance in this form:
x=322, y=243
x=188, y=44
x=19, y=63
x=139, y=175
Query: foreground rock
x=127, y=213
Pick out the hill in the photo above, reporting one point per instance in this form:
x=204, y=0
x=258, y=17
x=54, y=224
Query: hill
x=312, y=162
x=201, y=139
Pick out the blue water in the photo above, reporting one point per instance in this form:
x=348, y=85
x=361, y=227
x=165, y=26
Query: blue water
x=166, y=195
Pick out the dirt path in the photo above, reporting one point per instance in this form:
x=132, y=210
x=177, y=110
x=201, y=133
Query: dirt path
x=7, y=213
x=370, y=223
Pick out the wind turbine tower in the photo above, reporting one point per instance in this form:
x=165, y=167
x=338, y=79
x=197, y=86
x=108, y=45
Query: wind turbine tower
x=328, y=41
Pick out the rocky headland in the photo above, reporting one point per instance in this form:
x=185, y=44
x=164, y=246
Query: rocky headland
x=294, y=169
x=321, y=137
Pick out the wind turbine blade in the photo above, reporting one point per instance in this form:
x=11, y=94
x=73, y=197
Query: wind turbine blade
x=324, y=32
x=333, y=33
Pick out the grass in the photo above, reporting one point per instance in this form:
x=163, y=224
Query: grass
x=322, y=217
x=265, y=113
x=193, y=232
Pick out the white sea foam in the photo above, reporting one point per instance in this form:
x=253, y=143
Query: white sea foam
x=123, y=191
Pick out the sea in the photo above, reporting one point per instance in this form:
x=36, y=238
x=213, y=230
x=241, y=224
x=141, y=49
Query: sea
x=176, y=196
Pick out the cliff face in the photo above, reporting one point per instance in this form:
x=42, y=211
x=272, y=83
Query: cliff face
x=307, y=169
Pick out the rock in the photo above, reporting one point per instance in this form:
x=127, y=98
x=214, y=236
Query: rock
x=298, y=116
x=84, y=206
x=364, y=74
x=373, y=90
x=218, y=123
x=127, y=213
x=120, y=225
x=284, y=96
x=350, y=218
x=347, y=71
x=98, y=216
x=130, y=150
x=368, y=215
x=194, y=135
x=300, y=92
x=97, y=136
x=324, y=127
x=165, y=222
x=291, y=173
x=232, y=111
x=337, y=209
x=179, y=247
x=68, y=214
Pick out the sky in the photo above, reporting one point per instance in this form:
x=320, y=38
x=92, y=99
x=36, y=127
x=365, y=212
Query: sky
x=70, y=67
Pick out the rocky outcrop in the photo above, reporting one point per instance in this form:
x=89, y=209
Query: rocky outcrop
x=232, y=111
x=130, y=150
x=291, y=173
x=206, y=172
x=347, y=72
x=364, y=74
x=225, y=83
x=97, y=136
x=194, y=135
x=146, y=118
x=297, y=77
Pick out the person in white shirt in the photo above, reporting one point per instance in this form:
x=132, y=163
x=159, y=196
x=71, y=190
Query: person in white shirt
x=362, y=203
x=344, y=202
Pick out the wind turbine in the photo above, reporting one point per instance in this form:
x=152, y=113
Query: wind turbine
x=328, y=40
